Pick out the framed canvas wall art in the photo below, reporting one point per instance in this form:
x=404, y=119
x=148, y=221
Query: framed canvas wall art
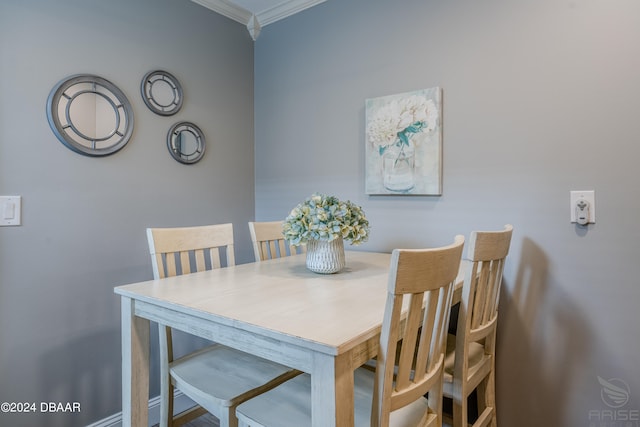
x=404, y=143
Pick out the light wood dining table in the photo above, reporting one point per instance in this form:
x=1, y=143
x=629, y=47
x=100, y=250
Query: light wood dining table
x=325, y=325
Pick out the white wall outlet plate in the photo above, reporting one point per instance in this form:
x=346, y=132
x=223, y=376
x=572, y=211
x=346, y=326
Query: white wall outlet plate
x=588, y=196
x=10, y=210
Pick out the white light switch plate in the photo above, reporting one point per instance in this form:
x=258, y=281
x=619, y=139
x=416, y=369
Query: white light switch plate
x=10, y=210
x=589, y=196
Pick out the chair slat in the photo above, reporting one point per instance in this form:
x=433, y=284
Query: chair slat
x=272, y=252
x=424, y=347
x=479, y=295
x=264, y=250
x=199, y=257
x=445, y=298
x=214, y=256
x=231, y=259
x=405, y=365
x=268, y=241
x=185, y=262
x=425, y=361
x=171, y=264
x=158, y=265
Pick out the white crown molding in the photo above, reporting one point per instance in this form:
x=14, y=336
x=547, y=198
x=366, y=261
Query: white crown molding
x=228, y=9
x=285, y=9
x=254, y=27
x=255, y=21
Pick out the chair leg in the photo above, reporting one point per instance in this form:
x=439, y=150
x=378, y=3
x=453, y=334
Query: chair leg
x=166, y=406
x=434, y=400
x=491, y=397
x=228, y=417
x=460, y=412
x=487, y=398
x=166, y=388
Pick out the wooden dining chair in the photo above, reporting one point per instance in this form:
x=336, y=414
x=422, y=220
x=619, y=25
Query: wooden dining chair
x=216, y=377
x=422, y=279
x=471, y=352
x=268, y=241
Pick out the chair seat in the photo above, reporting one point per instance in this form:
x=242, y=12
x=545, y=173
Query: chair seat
x=219, y=376
x=293, y=398
x=476, y=359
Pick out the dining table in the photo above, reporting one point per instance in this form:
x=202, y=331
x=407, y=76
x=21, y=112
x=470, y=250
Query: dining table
x=324, y=324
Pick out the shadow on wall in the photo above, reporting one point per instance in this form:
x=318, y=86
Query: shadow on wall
x=541, y=339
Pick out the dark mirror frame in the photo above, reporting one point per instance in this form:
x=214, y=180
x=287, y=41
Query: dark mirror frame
x=146, y=89
x=64, y=94
x=173, y=142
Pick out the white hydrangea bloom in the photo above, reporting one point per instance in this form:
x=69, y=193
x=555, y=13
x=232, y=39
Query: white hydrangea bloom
x=412, y=114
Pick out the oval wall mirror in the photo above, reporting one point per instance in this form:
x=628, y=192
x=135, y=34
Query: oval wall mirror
x=90, y=115
x=186, y=142
x=161, y=92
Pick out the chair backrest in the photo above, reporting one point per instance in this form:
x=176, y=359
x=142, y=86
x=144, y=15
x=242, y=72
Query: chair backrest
x=268, y=241
x=485, y=259
x=478, y=313
x=185, y=250
x=426, y=277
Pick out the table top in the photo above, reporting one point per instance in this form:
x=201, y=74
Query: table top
x=280, y=298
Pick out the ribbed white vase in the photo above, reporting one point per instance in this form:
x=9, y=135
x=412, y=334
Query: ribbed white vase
x=325, y=257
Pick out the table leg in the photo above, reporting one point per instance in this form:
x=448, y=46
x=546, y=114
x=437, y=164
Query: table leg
x=332, y=391
x=135, y=366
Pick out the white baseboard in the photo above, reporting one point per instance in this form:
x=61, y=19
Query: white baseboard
x=180, y=403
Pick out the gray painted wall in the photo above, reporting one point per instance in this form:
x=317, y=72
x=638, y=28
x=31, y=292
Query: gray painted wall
x=540, y=98
x=84, y=218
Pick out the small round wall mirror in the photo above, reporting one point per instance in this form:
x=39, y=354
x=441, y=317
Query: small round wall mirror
x=185, y=142
x=161, y=92
x=90, y=115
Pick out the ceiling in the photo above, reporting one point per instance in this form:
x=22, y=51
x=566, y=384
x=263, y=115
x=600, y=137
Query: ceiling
x=255, y=14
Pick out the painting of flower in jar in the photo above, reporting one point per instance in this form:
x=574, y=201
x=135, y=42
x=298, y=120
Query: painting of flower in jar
x=404, y=143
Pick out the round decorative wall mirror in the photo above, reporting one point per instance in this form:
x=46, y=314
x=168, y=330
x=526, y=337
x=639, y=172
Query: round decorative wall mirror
x=161, y=92
x=90, y=115
x=186, y=142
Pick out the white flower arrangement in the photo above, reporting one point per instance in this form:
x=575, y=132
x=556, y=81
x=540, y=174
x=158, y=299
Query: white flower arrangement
x=394, y=123
x=323, y=217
